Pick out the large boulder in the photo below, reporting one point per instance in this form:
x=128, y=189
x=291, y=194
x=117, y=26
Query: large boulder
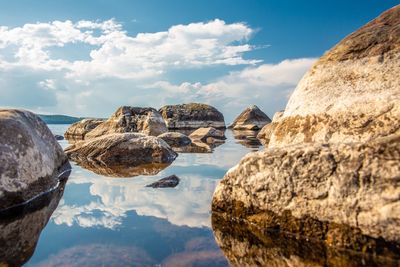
x=131, y=119
x=252, y=118
x=333, y=158
x=122, y=149
x=78, y=130
x=31, y=159
x=192, y=116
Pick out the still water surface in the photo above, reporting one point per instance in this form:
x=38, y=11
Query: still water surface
x=103, y=221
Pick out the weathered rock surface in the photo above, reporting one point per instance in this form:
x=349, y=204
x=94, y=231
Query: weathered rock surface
x=131, y=119
x=129, y=149
x=170, y=181
x=252, y=118
x=175, y=139
x=20, y=227
x=265, y=134
x=208, y=135
x=30, y=157
x=192, y=116
x=78, y=130
x=334, y=155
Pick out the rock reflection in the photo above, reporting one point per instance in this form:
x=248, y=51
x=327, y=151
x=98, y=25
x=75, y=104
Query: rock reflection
x=247, y=138
x=247, y=245
x=20, y=227
x=122, y=171
x=198, y=147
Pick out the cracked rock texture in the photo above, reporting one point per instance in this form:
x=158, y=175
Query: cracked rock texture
x=30, y=157
x=192, y=116
x=131, y=119
x=334, y=154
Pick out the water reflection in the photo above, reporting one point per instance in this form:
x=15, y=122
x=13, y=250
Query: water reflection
x=247, y=245
x=247, y=138
x=20, y=228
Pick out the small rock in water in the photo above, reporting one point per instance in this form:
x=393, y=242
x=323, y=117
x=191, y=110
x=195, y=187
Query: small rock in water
x=59, y=137
x=170, y=181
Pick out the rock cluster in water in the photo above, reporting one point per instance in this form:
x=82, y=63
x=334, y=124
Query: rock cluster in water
x=333, y=156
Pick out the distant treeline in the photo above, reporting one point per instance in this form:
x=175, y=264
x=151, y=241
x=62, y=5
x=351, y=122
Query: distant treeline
x=58, y=119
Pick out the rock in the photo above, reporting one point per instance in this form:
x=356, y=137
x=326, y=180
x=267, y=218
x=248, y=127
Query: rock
x=265, y=134
x=31, y=159
x=208, y=135
x=131, y=119
x=122, y=149
x=170, y=181
x=336, y=159
x=20, y=227
x=277, y=116
x=192, y=116
x=197, y=147
x=175, y=139
x=78, y=130
x=58, y=137
x=252, y=118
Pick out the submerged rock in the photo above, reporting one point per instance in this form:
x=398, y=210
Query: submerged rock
x=192, y=116
x=31, y=159
x=131, y=119
x=208, y=135
x=335, y=159
x=78, y=130
x=58, y=137
x=252, y=118
x=175, y=139
x=122, y=149
x=170, y=181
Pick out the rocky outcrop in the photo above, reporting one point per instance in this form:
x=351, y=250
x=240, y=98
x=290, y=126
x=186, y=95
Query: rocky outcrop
x=333, y=158
x=208, y=135
x=192, y=116
x=175, y=139
x=252, y=118
x=131, y=119
x=31, y=159
x=170, y=181
x=78, y=130
x=122, y=149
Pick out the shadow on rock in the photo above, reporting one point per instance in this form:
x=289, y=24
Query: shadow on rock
x=20, y=227
x=247, y=245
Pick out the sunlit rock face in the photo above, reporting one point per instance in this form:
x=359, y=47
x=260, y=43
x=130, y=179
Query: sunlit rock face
x=247, y=245
x=30, y=157
x=252, y=118
x=334, y=154
x=78, y=130
x=131, y=119
x=192, y=116
x=124, y=149
x=20, y=227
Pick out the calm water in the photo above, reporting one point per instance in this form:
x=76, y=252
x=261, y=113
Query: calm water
x=102, y=221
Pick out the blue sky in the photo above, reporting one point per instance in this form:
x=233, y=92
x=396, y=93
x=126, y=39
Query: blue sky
x=226, y=53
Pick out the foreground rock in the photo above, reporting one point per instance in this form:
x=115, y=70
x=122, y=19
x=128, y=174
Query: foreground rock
x=336, y=159
x=175, y=139
x=131, y=119
x=20, y=227
x=252, y=118
x=78, y=130
x=170, y=181
x=208, y=135
x=31, y=159
x=124, y=149
x=192, y=116
x=264, y=136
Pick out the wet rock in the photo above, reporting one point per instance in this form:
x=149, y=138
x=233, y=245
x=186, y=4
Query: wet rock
x=78, y=130
x=122, y=149
x=208, y=135
x=170, y=181
x=131, y=120
x=252, y=118
x=20, y=227
x=58, y=137
x=192, y=116
x=31, y=159
x=175, y=139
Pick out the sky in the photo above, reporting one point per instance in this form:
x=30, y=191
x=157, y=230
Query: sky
x=87, y=58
